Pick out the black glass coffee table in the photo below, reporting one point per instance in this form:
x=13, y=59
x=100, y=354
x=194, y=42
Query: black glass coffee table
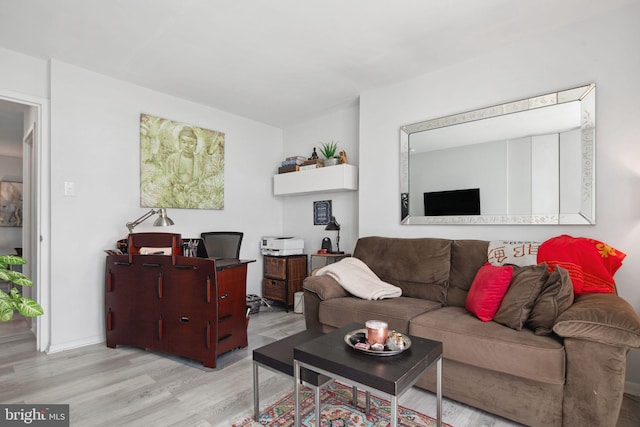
x=387, y=375
x=278, y=357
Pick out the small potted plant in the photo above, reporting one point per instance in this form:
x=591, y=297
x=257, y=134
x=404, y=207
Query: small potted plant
x=14, y=300
x=329, y=151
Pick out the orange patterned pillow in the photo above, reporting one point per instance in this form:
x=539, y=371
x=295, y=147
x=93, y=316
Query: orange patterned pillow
x=591, y=264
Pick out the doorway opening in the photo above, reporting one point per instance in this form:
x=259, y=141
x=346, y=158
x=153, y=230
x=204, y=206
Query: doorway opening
x=22, y=119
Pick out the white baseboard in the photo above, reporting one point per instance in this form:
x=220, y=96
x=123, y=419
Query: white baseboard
x=55, y=348
x=632, y=388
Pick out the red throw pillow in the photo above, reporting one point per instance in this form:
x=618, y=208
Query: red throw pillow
x=487, y=290
x=591, y=264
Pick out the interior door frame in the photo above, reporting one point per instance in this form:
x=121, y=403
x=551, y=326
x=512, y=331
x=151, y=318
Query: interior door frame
x=36, y=246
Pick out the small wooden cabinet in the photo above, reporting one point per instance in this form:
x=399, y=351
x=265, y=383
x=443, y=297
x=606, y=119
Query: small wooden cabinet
x=283, y=276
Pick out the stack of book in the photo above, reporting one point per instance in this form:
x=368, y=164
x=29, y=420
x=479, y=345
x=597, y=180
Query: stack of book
x=311, y=164
x=291, y=164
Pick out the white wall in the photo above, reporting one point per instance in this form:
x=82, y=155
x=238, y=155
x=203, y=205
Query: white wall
x=604, y=51
x=340, y=125
x=95, y=143
x=23, y=74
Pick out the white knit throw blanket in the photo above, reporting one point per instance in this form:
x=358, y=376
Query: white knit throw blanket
x=358, y=279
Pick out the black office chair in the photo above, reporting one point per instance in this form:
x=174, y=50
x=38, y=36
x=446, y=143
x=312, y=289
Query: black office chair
x=222, y=244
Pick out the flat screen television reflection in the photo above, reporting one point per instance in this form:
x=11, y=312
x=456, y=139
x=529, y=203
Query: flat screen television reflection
x=452, y=202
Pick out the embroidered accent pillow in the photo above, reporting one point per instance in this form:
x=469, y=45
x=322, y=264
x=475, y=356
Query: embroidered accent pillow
x=521, y=253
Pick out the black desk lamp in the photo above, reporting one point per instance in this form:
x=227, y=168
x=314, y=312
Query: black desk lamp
x=335, y=225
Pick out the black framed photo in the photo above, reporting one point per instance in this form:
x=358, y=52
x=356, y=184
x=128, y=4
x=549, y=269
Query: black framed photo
x=321, y=212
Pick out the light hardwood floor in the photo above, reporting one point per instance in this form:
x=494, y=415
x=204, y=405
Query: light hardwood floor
x=133, y=387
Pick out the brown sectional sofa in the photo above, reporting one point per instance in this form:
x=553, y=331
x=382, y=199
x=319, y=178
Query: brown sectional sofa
x=573, y=377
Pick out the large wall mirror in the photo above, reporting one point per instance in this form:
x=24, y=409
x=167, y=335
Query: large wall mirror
x=524, y=162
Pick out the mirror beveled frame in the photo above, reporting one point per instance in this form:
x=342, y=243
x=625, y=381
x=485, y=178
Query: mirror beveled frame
x=586, y=215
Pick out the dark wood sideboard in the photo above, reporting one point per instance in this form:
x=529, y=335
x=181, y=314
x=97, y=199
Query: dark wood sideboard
x=191, y=307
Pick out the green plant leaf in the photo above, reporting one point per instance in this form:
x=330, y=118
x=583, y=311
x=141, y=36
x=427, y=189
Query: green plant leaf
x=6, y=310
x=12, y=260
x=6, y=299
x=20, y=279
x=328, y=149
x=9, y=302
x=29, y=308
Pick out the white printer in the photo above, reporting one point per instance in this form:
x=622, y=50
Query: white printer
x=281, y=246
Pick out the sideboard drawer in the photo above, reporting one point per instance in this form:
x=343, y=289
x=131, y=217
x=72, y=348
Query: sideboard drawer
x=275, y=267
x=274, y=289
x=226, y=341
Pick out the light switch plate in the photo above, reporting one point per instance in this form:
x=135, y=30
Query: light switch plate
x=69, y=188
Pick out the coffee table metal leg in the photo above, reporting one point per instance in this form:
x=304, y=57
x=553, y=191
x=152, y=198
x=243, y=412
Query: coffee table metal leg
x=367, y=403
x=296, y=393
x=354, y=395
x=439, y=392
x=394, y=411
x=256, y=390
x=317, y=401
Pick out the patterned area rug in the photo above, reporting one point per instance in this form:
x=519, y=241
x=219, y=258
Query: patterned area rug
x=337, y=411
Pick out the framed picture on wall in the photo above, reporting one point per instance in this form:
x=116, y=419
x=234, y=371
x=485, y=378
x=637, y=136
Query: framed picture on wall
x=321, y=212
x=10, y=204
x=181, y=165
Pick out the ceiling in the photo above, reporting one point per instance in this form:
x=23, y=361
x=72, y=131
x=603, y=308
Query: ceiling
x=279, y=62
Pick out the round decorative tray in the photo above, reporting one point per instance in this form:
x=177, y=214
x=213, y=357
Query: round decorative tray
x=359, y=336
